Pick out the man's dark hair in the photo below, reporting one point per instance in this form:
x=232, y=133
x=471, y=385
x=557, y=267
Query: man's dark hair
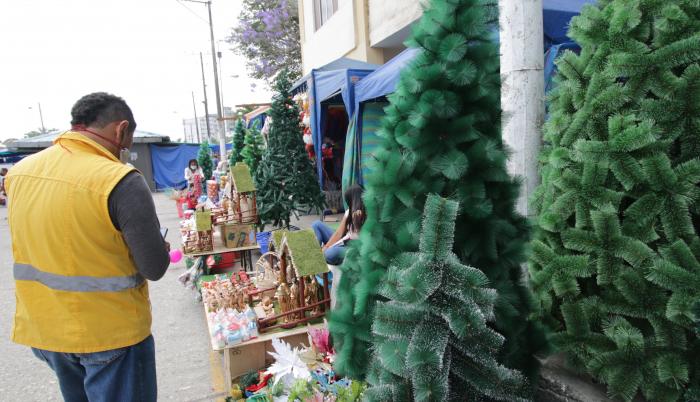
x=99, y=109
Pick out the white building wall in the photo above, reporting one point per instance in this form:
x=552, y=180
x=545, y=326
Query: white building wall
x=333, y=40
x=387, y=18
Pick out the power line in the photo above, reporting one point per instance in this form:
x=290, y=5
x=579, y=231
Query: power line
x=192, y=12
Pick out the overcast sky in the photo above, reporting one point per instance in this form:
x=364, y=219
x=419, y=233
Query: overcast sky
x=146, y=51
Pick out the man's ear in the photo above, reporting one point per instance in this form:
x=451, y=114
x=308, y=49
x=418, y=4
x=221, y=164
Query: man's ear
x=122, y=130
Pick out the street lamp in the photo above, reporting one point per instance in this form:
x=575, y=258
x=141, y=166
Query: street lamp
x=41, y=118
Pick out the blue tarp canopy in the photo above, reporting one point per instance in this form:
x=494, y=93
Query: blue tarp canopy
x=379, y=83
x=557, y=14
x=384, y=79
x=323, y=85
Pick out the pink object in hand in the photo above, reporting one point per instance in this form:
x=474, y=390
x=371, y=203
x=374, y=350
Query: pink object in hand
x=175, y=256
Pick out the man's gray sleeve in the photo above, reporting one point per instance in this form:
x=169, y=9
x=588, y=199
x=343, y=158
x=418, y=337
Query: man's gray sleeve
x=133, y=212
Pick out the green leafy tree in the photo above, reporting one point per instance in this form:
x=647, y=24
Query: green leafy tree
x=204, y=160
x=615, y=261
x=239, y=134
x=432, y=340
x=267, y=35
x=441, y=135
x=253, y=149
x=285, y=178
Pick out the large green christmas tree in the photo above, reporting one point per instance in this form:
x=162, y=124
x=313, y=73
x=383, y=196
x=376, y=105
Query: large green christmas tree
x=285, y=179
x=253, y=149
x=441, y=347
x=204, y=160
x=239, y=134
x=441, y=135
x=615, y=263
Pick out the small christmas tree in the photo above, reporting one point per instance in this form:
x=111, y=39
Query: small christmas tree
x=441, y=135
x=432, y=341
x=615, y=263
x=204, y=160
x=239, y=134
x=285, y=178
x=253, y=149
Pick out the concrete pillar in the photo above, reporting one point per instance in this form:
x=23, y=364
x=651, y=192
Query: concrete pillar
x=522, y=90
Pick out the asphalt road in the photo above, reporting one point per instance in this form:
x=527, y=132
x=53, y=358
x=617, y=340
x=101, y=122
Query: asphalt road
x=187, y=368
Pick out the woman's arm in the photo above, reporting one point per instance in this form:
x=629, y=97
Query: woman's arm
x=339, y=233
x=188, y=174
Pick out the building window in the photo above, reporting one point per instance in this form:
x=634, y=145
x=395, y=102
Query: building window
x=323, y=11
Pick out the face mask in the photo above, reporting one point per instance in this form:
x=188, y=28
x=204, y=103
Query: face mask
x=193, y=167
x=124, y=155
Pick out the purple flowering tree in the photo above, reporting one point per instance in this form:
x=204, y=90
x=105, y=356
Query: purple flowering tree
x=267, y=35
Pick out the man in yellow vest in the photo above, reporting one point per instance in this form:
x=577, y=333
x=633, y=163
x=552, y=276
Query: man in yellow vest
x=85, y=237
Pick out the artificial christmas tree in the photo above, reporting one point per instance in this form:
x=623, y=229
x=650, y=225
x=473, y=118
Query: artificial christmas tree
x=204, y=160
x=441, y=135
x=285, y=178
x=239, y=134
x=253, y=149
x=441, y=348
x=615, y=263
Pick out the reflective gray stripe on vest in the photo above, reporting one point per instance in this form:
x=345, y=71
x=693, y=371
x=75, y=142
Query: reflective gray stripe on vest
x=25, y=272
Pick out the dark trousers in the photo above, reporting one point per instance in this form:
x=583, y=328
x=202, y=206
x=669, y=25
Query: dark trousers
x=125, y=375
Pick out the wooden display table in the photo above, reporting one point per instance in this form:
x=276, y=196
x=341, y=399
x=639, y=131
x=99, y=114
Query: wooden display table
x=220, y=248
x=253, y=355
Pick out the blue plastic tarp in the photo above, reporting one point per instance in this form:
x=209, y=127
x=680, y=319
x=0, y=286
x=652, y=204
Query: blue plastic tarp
x=169, y=163
x=384, y=79
x=557, y=14
x=215, y=146
x=257, y=122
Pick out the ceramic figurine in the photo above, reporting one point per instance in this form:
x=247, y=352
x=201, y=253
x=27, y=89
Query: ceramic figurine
x=311, y=293
x=268, y=307
x=294, y=300
x=282, y=295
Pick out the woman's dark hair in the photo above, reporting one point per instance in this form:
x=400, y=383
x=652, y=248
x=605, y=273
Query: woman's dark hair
x=353, y=198
x=193, y=160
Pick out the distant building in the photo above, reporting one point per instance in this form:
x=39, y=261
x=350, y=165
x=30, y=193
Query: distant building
x=190, y=127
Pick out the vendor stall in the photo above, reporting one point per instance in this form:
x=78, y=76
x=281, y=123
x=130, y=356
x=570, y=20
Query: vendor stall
x=215, y=234
x=331, y=102
x=370, y=93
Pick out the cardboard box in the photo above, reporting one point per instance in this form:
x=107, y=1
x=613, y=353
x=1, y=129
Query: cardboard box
x=236, y=235
x=254, y=356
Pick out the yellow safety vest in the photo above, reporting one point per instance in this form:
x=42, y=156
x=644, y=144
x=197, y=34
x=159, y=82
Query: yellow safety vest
x=78, y=290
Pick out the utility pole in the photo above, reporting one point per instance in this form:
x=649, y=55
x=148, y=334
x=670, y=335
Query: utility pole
x=522, y=91
x=206, y=104
x=219, y=110
x=221, y=85
x=41, y=117
x=196, y=121
x=220, y=116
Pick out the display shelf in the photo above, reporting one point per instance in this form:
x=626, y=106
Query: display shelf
x=268, y=336
x=219, y=247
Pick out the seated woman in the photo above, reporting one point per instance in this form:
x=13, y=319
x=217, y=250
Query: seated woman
x=334, y=243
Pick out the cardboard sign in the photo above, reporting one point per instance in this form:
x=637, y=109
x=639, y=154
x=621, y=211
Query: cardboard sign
x=202, y=220
x=236, y=235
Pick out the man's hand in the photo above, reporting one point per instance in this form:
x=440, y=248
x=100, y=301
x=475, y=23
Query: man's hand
x=167, y=246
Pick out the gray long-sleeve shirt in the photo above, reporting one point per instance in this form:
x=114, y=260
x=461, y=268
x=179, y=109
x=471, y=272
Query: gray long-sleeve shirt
x=133, y=212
